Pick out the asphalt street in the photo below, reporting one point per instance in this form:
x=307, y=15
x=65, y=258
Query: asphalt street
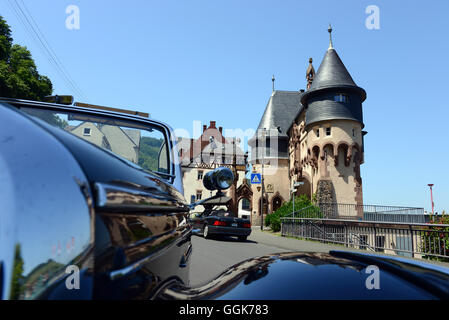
x=210, y=257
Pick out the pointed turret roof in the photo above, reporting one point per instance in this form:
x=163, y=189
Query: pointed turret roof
x=332, y=74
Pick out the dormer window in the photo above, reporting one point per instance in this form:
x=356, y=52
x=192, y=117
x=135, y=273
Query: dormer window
x=340, y=97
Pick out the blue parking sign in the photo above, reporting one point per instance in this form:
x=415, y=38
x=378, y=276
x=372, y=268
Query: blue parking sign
x=256, y=178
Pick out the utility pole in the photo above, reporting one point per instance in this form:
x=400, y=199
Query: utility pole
x=431, y=196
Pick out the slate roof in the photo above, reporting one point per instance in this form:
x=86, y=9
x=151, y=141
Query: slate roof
x=282, y=109
x=332, y=73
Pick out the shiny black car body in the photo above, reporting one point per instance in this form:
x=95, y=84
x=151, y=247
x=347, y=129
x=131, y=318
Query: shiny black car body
x=221, y=223
x=66, y=202
x=337, y=275
x=69, y=207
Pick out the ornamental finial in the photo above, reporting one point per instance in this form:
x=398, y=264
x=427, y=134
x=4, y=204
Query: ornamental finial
x=330, y=36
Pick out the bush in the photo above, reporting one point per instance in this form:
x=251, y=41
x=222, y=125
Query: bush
x=437, y=236
x=273, y=220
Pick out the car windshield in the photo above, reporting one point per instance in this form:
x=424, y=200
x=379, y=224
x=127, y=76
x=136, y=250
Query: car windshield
x=220, y=213
x=143, y=146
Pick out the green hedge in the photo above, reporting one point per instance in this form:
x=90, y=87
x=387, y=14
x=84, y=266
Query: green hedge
x=273, y=220
x=437, y=241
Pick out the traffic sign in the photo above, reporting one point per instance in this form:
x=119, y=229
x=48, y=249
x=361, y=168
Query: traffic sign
x=256, y=178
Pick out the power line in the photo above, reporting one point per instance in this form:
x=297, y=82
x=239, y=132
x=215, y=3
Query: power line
x=52, y=51
x=38, y=37
x=47, y=51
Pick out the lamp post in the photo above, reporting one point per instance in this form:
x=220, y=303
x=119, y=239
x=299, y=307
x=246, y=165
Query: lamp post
x=263, y=178
x=431, y=196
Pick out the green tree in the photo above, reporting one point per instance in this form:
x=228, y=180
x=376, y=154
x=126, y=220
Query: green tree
x=302, y=202
x=149, y=153
x=17, y=275
x=19, y=77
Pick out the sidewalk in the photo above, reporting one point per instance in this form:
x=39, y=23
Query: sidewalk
x=276, y=240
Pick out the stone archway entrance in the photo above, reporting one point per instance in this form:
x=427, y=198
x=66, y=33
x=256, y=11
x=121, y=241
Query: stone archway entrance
x=276, y=202
x=306, y=188
x=244, y=194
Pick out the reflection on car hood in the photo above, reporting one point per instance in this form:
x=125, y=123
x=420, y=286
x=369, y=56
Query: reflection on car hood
x=320, y=276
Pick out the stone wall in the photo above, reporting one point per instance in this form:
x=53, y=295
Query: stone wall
x=325, y=197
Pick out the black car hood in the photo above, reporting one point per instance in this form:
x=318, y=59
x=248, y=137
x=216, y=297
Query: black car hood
x=319, y=276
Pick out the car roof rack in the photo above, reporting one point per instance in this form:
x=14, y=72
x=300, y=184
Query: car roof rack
x=93, y=106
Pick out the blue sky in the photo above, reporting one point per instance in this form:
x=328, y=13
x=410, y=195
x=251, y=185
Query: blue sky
x=203, y=60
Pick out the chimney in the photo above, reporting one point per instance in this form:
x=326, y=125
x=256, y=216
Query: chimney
x=221, y=130
x=212, y=124
x=204, y=127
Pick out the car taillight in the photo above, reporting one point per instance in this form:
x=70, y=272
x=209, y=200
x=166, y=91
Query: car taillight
x=219, y=223
x=247, y=225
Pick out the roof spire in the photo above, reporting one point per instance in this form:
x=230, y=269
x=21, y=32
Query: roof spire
x=330, y=37
x=310, y=74
x=272, y=80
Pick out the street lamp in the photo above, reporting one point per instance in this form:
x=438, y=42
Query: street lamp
x=431, y=196
x=263, y=178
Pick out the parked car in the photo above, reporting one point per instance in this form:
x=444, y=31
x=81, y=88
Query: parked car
x=220, y=222
x=93, y=208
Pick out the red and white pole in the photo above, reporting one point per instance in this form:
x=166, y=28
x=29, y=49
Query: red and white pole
x=431, y=196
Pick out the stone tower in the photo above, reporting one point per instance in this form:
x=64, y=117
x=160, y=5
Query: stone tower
x=269, y=147
x=332, y=127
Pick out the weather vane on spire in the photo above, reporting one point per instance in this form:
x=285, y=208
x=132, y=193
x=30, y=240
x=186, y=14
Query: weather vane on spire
x=272, y=79
x=330, y=36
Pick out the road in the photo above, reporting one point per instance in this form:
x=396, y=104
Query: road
x=210, y=257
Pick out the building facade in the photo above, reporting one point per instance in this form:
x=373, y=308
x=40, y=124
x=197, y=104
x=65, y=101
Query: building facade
x=314, y=137
x=212, y=150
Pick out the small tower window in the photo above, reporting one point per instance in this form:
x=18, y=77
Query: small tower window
x=86, y=132
x=353, y=132
x=341, y=97
x=328, y=131
x=200, y=175
x=317, y=131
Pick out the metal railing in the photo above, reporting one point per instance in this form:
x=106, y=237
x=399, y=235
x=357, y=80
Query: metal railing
x=363, y=213
x=405, y=239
